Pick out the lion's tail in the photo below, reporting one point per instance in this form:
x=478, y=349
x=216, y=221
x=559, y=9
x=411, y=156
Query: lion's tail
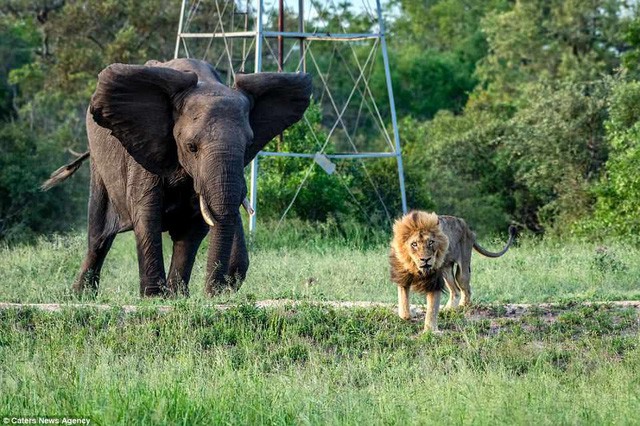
x=64, y=172
x=485, y=252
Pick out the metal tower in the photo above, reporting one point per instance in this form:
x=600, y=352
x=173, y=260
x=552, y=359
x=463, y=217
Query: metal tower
x=236, y=35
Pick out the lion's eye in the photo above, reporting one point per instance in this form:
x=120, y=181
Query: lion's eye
x=430, y=243
x=414, y=245
x=192, y=147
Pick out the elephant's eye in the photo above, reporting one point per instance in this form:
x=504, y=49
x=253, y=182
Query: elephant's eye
x=192, y=147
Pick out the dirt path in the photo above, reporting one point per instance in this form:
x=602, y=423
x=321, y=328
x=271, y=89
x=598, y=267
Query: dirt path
x=548, y=311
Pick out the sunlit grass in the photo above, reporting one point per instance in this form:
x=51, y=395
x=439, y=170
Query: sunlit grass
x=313, y=364
x=533, y=271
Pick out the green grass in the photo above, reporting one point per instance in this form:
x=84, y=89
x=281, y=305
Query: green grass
x=529, y=273
x=312, y=364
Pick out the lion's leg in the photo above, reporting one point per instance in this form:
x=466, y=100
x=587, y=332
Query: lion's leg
x=433, y=306
x=463, y=277
x=454, y=291
x=404, y=311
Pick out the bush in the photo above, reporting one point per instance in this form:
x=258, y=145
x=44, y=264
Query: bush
x=451, y=167
x=280, y=177
x=25, y=162
x=555, y=145
x=617, y=209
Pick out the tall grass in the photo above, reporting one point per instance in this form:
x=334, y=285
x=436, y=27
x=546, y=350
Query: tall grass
x=310, y=263
x=311, y=365
x=319, y=365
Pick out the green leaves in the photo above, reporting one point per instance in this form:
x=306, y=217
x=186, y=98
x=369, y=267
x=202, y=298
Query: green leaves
x=25, y=162
x=508, y=110
x=550, y=40
x=427, y=81
x=617, y=207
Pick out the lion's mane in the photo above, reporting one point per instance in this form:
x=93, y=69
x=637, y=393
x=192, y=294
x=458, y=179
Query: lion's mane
x=404, y=271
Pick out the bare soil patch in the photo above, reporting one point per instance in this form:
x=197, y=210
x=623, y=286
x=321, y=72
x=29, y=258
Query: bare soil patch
x=549, y=312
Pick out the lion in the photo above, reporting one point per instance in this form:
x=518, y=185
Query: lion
x=429, y=252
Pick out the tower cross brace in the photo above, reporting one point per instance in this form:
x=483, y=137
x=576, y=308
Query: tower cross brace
x=258, y=35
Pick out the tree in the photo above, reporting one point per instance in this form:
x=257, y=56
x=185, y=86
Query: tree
x=631, y=47
x=52, y=51
x=548, y=40
x=556, y=149
x=17, y=41
x=541, y=90
x=617, y=208
x=25, y=161
x=434, y=48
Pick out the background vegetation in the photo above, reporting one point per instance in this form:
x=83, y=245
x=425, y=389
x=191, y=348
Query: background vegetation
x=510, y=111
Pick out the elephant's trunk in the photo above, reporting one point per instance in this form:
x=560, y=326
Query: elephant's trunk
x=221, y=195
x=222, y=222
x=220, y=244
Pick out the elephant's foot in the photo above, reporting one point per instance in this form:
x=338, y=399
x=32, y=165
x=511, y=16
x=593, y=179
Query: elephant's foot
x=217, y=290
x=229, y=285
x=86, y=284
x=177, y=287
x=158, y=288
x=225, y=283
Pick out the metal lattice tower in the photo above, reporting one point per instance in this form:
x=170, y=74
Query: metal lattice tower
x=237, y=35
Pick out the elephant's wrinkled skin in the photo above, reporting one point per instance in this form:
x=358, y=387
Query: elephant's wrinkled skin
x=168, y=144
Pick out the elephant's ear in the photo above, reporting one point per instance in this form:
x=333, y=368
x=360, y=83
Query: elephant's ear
x=279, y=100
x=136, y=103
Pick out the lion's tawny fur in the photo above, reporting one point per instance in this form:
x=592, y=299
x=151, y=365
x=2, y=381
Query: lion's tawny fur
x=430, y=251
x=419, y=226
x=412, y=224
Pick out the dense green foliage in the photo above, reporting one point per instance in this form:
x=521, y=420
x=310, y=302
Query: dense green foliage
x=510, y=112
x=25, y=210
x=532, y=143
x=618, y=192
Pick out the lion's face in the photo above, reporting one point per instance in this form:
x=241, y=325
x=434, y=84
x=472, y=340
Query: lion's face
x=423, y=248
x=419, y=243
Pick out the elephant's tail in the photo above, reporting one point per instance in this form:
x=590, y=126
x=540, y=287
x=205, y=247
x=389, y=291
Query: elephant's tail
x=64, y=172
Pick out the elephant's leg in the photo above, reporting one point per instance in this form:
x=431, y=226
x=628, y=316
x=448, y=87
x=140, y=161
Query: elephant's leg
x=239, y=261
x=147, y=227
x=101, y=232
x=185, y=247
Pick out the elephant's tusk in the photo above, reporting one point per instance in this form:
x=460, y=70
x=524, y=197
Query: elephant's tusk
x=206, y=214
x=247, y=206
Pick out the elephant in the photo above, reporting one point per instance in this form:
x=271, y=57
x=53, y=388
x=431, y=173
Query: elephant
x=168, y=145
